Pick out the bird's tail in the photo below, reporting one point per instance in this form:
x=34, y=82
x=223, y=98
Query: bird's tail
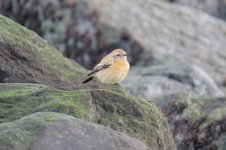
x=87, y=80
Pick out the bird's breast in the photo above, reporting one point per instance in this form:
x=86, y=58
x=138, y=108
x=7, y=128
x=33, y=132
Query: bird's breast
x=115, y=73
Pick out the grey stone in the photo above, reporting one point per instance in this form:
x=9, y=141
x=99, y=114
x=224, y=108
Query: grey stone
x=171, y=78
x=212, y=7
x=55, y=131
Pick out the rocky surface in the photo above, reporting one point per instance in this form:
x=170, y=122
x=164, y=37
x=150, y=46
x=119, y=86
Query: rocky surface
x=56, y=131
x=198, y=123
x=216, y=8
x=171, y=78
x=25, y=57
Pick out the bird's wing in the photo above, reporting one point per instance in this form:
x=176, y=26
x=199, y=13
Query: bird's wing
x=100, y=67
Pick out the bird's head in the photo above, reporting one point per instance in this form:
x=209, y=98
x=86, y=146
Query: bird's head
x=119, y=54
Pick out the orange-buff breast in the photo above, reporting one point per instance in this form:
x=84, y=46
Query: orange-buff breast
x=115, y=73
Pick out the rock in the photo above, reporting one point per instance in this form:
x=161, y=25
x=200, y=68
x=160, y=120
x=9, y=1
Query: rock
x=171, y=78
x=215, y=8
x=55, y=131
x=25, y=57
x=170, y=33
x=198, y=123
x=121, y=112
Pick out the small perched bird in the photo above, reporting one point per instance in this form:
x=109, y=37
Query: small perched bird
x=112, y=69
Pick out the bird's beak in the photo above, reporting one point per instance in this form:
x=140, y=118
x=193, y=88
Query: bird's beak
x=125, y=55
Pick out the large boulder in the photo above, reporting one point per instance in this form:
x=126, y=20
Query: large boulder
x=55, y=131
x=25, y=57
x=198, y=123
x=171, y=78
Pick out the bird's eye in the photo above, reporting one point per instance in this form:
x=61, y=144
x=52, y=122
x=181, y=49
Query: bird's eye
x=118, y=54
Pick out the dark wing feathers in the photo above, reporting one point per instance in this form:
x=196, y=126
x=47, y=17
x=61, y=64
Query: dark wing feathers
x=99, y=68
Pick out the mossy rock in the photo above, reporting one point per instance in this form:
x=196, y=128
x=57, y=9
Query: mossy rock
x=56, y=131
x=198, y=123
x=48, y=82
x=120, y=112
x=26, y=58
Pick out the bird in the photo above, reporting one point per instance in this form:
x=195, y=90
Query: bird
x=112, y=69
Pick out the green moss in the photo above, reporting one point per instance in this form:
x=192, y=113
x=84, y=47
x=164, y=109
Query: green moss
x=68, y=70
x=16, y=90
x=23, y=99
x=216, y=114
x=67, y=102
x=18, y=34
x=130, y=115
x=202, y=100
x=211, y=107
x=52, y=64
x=193, y=111
x=110, y=120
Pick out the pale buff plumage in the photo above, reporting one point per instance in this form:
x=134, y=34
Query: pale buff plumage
x=112, y=69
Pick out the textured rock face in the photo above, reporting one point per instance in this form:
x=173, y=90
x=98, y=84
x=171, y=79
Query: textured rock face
x=196, y=123
x=55, y=131
x=25, y=57
x=213, y=7
x=171, y=78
